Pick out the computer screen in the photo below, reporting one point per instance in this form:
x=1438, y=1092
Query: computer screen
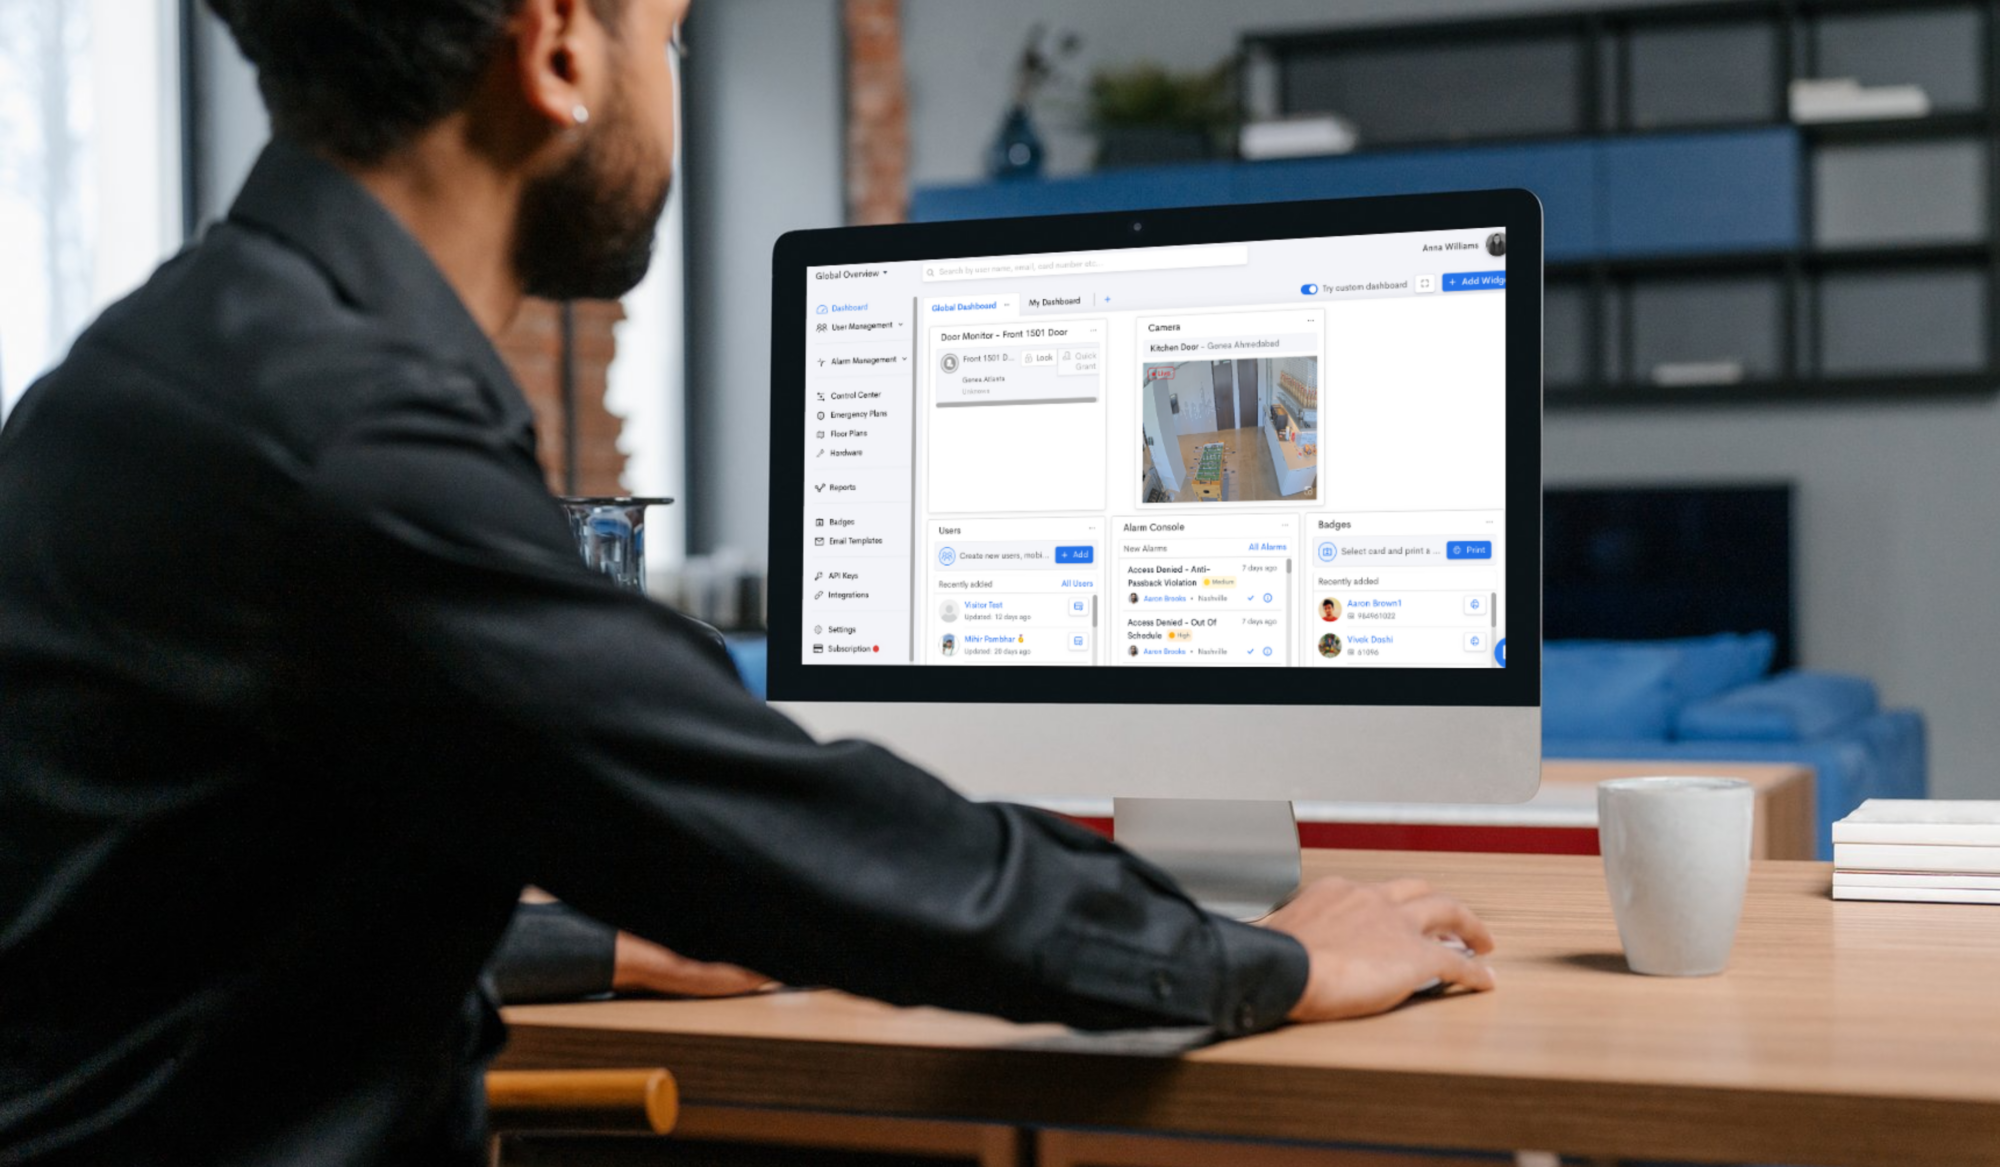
x=1234, y=464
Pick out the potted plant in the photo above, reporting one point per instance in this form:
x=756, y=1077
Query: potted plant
x=1144, y=114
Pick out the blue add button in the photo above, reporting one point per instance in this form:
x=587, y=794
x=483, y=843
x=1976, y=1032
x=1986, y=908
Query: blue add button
x=1085, y=554
x=1475, y=281
x=1469, y=549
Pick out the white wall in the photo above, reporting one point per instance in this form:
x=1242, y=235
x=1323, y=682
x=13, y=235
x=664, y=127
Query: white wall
x=765, y=111
x=1895, y=502
x=1895, y=507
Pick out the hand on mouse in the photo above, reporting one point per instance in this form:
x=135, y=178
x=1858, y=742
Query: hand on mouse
x=1372, y=945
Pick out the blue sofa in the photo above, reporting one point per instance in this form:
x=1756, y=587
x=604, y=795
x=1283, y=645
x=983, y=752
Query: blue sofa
x=1712, y=699
x=1707, y=699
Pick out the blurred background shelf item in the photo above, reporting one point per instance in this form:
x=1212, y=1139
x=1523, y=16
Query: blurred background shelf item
x=1307, y=136
x=1843, y=99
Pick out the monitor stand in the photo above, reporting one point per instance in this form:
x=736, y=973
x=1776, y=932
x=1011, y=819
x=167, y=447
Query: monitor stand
x=1236, y=857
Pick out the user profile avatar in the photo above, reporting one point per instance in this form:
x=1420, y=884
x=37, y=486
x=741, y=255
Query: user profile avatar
x=948, y=611
x=1135, y=597
x=950, y=644
x=1329, y=610
x=1496, y=244
x=1329, y=646
x=1132, y=650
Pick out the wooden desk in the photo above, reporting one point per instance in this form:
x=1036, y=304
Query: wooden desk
x=1844, y=1034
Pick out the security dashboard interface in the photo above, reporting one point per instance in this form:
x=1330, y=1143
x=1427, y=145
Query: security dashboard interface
x=1280, y=454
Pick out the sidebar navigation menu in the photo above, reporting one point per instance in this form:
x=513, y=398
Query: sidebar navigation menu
x=859, y=398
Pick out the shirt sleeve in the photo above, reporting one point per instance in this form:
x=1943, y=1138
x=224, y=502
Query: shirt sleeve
x=604, y=744
x=552, y=952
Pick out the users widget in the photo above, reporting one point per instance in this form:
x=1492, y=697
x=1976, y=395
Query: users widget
x=1013, y=591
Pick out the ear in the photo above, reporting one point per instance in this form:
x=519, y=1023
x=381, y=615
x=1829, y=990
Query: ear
x=561, y=59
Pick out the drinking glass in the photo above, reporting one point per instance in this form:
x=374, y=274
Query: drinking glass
x=611, y=535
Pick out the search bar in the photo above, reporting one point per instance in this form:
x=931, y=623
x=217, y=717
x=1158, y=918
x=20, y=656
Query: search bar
x=1085, y=263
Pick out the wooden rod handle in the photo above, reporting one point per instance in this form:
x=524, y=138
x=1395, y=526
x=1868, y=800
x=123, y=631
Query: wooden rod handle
x=590, y=1100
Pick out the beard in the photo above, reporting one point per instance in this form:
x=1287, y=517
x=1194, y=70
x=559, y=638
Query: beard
x=586, y=228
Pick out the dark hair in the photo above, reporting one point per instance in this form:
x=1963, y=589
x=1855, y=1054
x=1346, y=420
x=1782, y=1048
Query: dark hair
x=359, y=78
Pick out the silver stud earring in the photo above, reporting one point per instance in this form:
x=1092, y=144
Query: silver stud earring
x=579, y=115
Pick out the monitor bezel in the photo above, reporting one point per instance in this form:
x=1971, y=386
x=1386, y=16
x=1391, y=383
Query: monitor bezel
x=1518, y=212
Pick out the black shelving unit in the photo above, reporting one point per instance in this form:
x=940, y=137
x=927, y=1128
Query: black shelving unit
x=1615, y=73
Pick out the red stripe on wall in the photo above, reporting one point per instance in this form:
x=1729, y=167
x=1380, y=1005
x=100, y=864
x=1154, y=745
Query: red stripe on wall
x=1430, y=837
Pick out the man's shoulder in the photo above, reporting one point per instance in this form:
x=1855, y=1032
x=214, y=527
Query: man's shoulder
x=242, y=326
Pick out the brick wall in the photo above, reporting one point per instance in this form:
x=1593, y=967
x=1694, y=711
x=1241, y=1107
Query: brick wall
x=878, y=114
x=533, y=350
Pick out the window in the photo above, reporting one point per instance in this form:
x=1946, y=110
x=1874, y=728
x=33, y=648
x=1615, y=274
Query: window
x=90, y=174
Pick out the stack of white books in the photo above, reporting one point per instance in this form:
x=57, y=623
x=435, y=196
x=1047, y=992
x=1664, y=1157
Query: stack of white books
x=1918, y=850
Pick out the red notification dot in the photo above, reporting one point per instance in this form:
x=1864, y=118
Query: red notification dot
x=878, y=648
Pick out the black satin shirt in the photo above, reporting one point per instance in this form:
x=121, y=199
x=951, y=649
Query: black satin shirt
x=302, y=680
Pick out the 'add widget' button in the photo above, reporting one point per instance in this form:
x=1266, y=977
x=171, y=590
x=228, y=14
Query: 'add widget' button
x=1474, y=281
x=1469, y=549
x=1084, y=554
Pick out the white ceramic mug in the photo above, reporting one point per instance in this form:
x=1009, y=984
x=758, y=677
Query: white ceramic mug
x=1676, y=861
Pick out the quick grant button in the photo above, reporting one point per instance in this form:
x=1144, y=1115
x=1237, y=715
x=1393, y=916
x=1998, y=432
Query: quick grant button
x=1084, y=554
x=1469, y=549
x=1474, y=281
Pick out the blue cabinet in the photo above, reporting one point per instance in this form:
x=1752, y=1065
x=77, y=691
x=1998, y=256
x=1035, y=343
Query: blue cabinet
x=1601, y=198
x=1141, y=188
x=1699, y=194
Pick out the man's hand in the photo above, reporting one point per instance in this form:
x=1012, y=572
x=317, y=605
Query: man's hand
x=642, y=966
x=1372, y=945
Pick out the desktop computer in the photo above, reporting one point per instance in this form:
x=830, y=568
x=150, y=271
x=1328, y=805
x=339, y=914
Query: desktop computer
x=1204, y=511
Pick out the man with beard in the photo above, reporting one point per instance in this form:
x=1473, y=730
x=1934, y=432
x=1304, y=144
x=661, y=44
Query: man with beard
x=302, y=680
